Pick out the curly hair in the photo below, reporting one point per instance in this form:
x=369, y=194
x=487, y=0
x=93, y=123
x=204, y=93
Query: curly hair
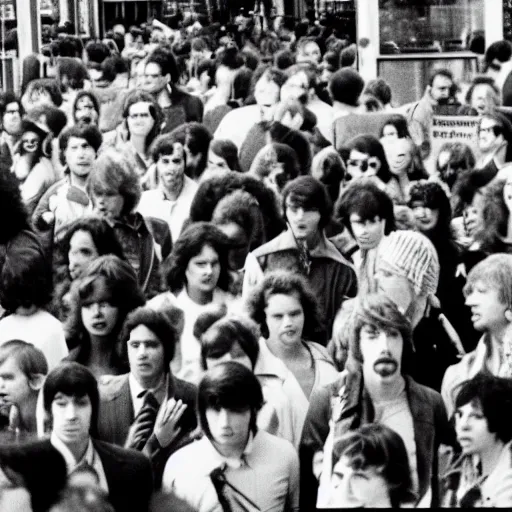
x=155, y=111
x=283, y=282
x=213, y=189
x=12, y=206
x=189, y=244
x=241, y=208
x=113, y=173
x=495, y=215
x=121, y=281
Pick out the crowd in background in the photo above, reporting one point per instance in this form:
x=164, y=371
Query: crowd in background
x=214, y=299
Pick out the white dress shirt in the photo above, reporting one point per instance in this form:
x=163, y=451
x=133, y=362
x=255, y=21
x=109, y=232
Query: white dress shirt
x=90, y=457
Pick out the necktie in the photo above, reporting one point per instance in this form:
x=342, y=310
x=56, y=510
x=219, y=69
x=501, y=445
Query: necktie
x=144, y=421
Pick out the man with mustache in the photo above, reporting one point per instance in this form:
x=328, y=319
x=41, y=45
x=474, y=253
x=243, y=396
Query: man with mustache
x=376, y=387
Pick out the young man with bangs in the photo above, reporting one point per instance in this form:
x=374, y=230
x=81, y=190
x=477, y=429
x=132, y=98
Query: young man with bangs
x=71, y=401
x=367, y=213
x=376, y=387
x=488, y=293
x=303, y=248
x=235, y=466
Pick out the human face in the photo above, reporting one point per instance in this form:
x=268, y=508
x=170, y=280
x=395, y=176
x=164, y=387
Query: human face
x=440, y=89
x=239, y=244
x=399, y=155
x=145, y=355
x=79, y=156
x=426, y=218
x=11, y=121
x=362, y=164
x=397, y=288
x=154, y=82
x=82, y=251
x=85, y=110
x=473, y=430
x=171, y=168
x=30, y=142
x=390, y=132
x=482, y=99
x=310, y=53
x=71, y=418
x=108, y=204
x=235, y=354
x=216, y=162
x=14, y=384
x=472, y=215
x=296, y=87
x=381, y=350
x=229, y=429
x=304, y=223
x=140, y=120
x=40, y=97
x=285, y=319
x=203, y=270
x=487, y=139
x=368, y=233
x=99, y=315
x=351, y=488
x=266, y=94
x=487, y=311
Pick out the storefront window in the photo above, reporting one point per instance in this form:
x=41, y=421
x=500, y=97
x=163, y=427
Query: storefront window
x=429, y=26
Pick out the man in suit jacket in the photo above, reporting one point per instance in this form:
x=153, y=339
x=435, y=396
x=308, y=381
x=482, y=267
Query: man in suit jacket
x=129, y=415
x=71, y=399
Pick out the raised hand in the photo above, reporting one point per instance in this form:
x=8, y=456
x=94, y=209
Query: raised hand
x=166, y=426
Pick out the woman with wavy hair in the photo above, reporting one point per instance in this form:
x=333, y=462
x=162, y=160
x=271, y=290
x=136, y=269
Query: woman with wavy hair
x=197, y=274
x=286, y=312
x=100, y=301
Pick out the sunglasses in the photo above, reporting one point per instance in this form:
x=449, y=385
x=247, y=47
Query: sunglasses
x=363, y=164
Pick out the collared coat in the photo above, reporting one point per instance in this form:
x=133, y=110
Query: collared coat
x=431, y=428
x=128, y=474
x=116, y=415
x=332, y=278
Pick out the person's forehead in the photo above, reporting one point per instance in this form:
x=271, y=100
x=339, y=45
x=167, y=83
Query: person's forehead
x=177, y=151
x=77, y=141
x=153, y=66
x=487, y=122
x=10, y=364
x=140, y=106
x=310, y=46
x=441, y=81
x=142, y=333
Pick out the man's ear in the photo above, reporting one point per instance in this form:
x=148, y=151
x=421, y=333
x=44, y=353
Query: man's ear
x=36, y=381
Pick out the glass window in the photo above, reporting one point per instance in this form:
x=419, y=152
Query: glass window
x=423, y=26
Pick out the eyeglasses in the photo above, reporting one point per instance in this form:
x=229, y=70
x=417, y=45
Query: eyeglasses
x=363, y=164
x=142, y=115
x=12, y=112
x=489, y=129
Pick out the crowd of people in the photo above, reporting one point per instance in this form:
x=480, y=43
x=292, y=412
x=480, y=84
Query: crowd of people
x=214, y=300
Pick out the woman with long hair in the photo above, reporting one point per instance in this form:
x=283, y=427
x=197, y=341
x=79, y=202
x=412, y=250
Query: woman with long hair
x=197, y=275
x=85, y=239
x=100, y=301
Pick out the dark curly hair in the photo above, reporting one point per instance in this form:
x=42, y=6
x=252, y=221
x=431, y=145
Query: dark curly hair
x=213, y=189
x=189, y=244
x=283, y=282
x=12, y=206
x=495, y=215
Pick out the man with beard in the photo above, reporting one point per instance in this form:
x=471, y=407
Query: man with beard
x=376, y=387
x=172, y=194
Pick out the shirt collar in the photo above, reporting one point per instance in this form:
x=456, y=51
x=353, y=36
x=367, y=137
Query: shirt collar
x=268, y=364
x=159, y=391
x=90, y=458
x=218, y=460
